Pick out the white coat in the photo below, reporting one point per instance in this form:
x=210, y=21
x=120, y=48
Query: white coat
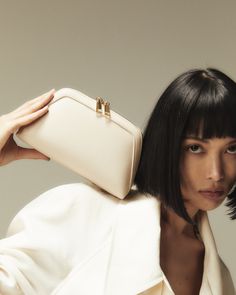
x=76, y=239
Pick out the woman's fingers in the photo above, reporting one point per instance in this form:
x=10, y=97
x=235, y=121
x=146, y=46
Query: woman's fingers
x=26, y=119
x=32, y=105
x=27, y=113
x=40, y=97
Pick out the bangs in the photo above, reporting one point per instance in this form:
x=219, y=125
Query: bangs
x=212, y=116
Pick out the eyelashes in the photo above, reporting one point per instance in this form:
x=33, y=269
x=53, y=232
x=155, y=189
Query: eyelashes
x=198, y=149
x=188, y=148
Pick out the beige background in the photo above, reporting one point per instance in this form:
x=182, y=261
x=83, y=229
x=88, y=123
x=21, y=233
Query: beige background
x=126, y=51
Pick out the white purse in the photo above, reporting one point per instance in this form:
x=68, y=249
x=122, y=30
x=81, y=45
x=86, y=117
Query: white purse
x=84, y=135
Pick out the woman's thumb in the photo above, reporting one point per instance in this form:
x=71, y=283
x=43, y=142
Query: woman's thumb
x=25, y=153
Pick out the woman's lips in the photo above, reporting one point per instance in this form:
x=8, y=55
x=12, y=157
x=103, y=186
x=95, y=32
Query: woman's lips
x=214, y=196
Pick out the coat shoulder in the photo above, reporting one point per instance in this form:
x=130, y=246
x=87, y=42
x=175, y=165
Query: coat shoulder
x=68, y=194
x=71, y=201
x=78, y=203
x=84, y=194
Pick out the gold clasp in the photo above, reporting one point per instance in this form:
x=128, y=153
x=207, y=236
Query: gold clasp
x=106, y=106
x=99, y=102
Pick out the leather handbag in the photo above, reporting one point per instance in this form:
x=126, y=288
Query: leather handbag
x=86, y=136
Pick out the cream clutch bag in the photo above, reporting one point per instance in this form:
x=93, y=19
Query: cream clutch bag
x=86, y=136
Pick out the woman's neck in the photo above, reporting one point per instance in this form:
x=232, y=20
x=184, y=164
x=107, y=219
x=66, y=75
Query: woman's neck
x=175, y=223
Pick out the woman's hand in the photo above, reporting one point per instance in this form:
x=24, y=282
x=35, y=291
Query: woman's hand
x=11, y=122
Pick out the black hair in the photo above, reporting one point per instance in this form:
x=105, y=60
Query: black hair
x=197, y=101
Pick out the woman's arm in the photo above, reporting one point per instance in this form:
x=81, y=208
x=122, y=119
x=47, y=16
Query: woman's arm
x=31, y=254
x=14, y=259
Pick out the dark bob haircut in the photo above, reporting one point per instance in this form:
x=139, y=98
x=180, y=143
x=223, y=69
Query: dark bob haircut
x=199, y=102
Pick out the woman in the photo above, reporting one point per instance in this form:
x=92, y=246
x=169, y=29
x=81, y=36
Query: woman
x=78, y=239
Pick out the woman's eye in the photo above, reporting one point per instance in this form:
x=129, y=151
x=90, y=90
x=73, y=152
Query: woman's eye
x=233, y=148
x=194, y=148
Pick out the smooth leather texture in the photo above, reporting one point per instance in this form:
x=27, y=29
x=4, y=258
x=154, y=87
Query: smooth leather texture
x=106, y=151
x=77, y=239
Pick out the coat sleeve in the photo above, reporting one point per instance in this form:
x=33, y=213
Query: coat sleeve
x=37, y=252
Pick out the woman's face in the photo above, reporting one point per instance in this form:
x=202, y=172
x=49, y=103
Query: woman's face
x=207, y=165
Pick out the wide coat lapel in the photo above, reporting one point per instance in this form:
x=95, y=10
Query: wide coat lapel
x=134, y=262
x=212, y=267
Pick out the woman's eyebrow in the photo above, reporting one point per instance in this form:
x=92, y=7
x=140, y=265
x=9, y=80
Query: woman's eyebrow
x=196, y=138
x=204, y=140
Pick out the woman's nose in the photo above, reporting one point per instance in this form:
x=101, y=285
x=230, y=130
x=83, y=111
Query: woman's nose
x=215, y=169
